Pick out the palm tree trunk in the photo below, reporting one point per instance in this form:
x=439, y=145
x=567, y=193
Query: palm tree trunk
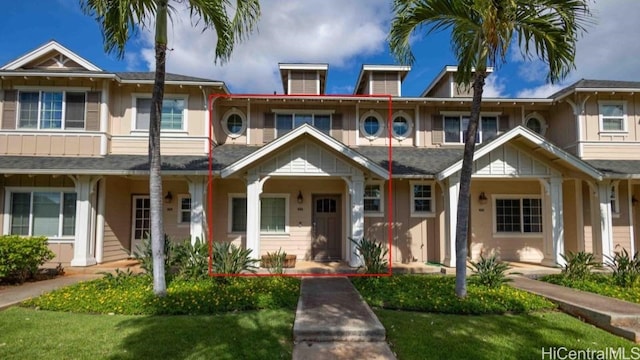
x=462, y=224
x=155, y=161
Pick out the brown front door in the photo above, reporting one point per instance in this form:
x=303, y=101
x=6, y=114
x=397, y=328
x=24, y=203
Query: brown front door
x=327, y=228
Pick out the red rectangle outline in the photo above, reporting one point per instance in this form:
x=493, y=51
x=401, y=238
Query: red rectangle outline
x=210, y=103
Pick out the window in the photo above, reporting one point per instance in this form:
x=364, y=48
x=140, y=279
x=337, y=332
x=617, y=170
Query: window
x=518, y=215
x=402, y=125
x=184, y=212
x=455, y=128
x=234, y=123
x=536, y=123
x=273, y=213
x=371, y=125
x=141, y=217
x=373, y=199
x=173, y=113
x=290, y=121
x=42, y=213
x=613, y=199
x=613, y=116
x=422, y=199
x=51, y=110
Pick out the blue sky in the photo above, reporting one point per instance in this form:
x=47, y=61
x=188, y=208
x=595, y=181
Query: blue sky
x=343, y=33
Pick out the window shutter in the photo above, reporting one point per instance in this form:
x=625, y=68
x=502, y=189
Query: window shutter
x=503, y=123
x=9, y=109
x=268, y=131
x=336, y=126
x=92, y=122
x=437, y=132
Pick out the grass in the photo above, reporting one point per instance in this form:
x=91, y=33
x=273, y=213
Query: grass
x=602, y=284
x=442, y=336
x=33, y=334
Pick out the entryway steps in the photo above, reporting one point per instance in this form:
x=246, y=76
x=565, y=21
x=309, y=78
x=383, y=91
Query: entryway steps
x=334, y=322
x=616, y=316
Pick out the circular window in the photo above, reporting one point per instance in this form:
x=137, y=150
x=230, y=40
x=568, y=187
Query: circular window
x=234, y=123
x=536, y=123
x=401, y=126
x=371, y=125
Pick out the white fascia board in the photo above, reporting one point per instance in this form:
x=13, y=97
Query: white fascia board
x=292, y=136
x=101, y=172
x=303, y=66
x=51, y=45
x=531, y=137
x=447, y=69
x=20, y=73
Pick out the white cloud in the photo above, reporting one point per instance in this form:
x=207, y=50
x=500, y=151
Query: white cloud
x=541, y=91
x=326, y=31
x=494, y=87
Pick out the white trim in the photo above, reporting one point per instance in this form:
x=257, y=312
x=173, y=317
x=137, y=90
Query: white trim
x=461, y=117
x=447, y=69
x=381, y=123
x=303, y=66
x=294, y=113
x=521, y=233
x=422, y=214
x=32, y=88
x=63, y=118
x=133, y=219
x=225, y=118
x=302, y=112
x=625, y=126
x=230, y=197
x=179, y=221
x=44, y=49
x=286, y=198
x=615, y=196
x=410, y=122
x=466, y=113
x=185, y=112
x=381, y=187
x=540, y=118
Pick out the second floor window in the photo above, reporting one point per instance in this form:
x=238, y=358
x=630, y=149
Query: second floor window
x=173, y=114
x=288, y=122
x=613, y=116
x=52, y=110
x=455, y=128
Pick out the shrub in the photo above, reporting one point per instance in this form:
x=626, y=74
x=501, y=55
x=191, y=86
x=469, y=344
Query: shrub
x=192, y=260
x=229, y=259
x=490, y=272
x=579, y=265
x=144, y=254
x=275, y=262
x=21, y=256
x=626, y=269
x=374, y=255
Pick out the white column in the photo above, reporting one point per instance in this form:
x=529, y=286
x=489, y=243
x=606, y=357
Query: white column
x=451, y=204
x=102, y=188
x=196, y=193
x=356, y=190
x=606, y=228
x=104, y=117
x=254, y=189
x=82, y=255
x=554, y=244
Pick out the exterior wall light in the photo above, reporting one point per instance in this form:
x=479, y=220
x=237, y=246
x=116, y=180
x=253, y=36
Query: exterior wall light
x=300, y=198
x=482, y=199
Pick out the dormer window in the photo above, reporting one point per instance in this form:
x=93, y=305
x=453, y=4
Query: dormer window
x=52, y=110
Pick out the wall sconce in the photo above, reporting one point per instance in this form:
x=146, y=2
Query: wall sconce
x=300, y=198
x=168, y=198
x=634, y=201
x=482, y=199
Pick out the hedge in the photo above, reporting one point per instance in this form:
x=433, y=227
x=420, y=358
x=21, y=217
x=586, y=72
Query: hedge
x=22, y=256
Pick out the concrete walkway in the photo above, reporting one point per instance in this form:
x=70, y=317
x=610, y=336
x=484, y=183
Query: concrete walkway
x=333, y=322
x=13, y=294
x=616, y=316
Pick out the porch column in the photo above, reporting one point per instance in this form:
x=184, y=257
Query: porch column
x=451, y=219
x=554, y=244
x=356, y=190
x=82, y=252
x=254, y=189
x=196, y=192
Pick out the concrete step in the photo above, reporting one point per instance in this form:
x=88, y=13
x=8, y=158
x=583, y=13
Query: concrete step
x=342, y=351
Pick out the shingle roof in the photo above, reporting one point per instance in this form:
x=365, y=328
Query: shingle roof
x=617, y=167
x=150, y=76
x=412, y=161
x=597, y=84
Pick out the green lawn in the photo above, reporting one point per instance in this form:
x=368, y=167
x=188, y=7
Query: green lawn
x=414, y=335
x=33, y=334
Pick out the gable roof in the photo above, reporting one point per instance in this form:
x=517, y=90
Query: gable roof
x=532, y=138
x=402, y=69
x=597, y=85
x=448, y=69
x=304, y=130
x=51, y=46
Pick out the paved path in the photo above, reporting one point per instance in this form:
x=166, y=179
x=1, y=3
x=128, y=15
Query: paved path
x=616, y=316
x=13, y=294
x=334, y=322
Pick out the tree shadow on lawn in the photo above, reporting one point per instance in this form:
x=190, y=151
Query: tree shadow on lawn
x=490, y=336
x=244, y=335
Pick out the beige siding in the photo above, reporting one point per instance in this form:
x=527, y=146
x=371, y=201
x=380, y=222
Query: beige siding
x=9, y=106
x=63, y=254
x=49, y=145
x=168, y=146
x=570, y=215
x=117, y=225
x=588, y=227
x=442, y=89
x=626, y=151
x=383, y=139
x=92, y=121
x=620, y=222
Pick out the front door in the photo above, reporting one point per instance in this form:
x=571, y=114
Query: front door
x=327, y=228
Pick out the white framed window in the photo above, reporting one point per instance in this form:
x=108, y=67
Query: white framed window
x=455, y=128
x=52, y=109
x=371, y=125
x=234, y=123
x=141, y=217
x=536, y=123
x=287, y=120
x=614, y=198
x=613, y=116
x=514, y=214
x=173, y=117
x=47, y=212
x=184, y=209
x=373, y=199
x=274, y=213
x=401, y=125
x=422, y=199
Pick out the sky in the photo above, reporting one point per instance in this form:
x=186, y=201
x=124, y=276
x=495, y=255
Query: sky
x=342, y=33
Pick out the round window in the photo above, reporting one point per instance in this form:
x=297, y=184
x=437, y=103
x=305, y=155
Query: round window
x=401, y=126
x=536, y=123
x=371, y=126
x=234, y=124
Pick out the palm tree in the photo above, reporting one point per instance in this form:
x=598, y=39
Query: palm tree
x=482, y=32
x=119, y=19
